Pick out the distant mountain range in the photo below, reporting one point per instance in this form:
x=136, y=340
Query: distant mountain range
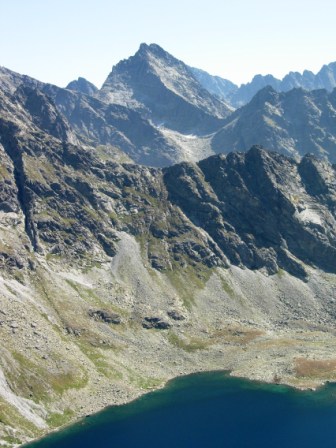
x=238, y=96
x=155, y=110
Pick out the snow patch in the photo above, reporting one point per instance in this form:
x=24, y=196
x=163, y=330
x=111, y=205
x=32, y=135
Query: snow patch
x=309, y=216
x=192, y=148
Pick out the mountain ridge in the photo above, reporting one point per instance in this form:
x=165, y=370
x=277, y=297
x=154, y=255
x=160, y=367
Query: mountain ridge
x=238, y=96
x=293, y=123
x=158, y=134
x=113, y=128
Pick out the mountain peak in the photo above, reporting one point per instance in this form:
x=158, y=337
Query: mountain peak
x=155, y=52
x=153, y=48
x=164, y=90
x=265, y=94
x=82, y=85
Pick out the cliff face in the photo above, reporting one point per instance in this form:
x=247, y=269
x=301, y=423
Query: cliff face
x=260, y=208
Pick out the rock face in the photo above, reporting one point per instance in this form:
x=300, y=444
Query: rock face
x=116, y=132
x=10, y=80
x=239, y=96
x=293, y=123
x=238, y=199
x=223, y=210
x=164, y=90
x=105, y=126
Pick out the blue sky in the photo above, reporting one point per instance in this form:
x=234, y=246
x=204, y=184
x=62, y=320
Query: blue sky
x=57, y=41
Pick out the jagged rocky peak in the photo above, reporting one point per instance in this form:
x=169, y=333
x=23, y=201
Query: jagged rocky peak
x=82, y=85
x=223, y=210
x=154, y=49
x=265, y=94
x=324, y=79
x=117, y=132
x=165, y=90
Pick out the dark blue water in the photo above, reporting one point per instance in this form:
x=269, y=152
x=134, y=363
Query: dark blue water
x=210, y=410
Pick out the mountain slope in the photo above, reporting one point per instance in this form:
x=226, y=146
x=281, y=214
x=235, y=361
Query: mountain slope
x=10, y=81
x=220, y=87
x=296, y=123
x=219, y=195
x=117, y=277
x=164, y=90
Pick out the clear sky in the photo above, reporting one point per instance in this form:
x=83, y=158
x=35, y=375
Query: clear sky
x=58, y=40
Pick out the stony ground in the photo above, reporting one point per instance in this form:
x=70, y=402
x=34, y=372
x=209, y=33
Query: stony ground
x=61, y=360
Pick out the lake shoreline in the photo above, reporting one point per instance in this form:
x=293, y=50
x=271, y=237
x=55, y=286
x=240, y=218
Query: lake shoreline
x=142, y=393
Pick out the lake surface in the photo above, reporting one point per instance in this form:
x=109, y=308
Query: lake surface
x=210, y=410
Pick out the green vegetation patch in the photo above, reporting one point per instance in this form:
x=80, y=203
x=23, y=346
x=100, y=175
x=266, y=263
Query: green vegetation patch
x=143, y=382
x=43, y=172
x=226, y=286
x=57, y=419
x=100, y=361
x=191, y=345
x=281, y=273
x=34, y=381
x=84, y=292
x=188, y=280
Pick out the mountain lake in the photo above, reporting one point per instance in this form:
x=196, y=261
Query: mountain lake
x=209, y=410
